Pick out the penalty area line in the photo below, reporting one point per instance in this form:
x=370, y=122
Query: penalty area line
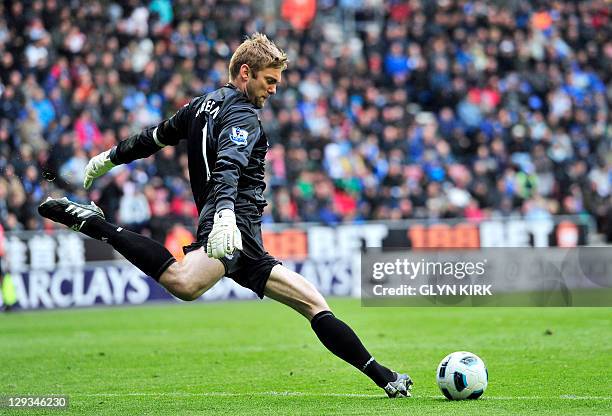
x=306, y=394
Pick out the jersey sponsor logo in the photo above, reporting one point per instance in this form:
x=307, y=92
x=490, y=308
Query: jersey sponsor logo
x=239, y=136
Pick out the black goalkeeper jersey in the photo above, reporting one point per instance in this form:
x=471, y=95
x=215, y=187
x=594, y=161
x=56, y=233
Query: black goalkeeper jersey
x=226, y=147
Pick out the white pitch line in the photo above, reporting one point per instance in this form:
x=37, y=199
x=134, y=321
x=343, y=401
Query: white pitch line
x=303, y=394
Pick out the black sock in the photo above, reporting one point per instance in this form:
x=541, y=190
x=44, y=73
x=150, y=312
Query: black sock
x=341, y=340
x=146, y=254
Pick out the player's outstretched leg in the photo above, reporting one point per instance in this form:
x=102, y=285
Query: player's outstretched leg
x=186, y=279
x=293, y=290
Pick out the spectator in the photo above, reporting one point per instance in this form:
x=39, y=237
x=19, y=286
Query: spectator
x=133, y=208
x=445, y=110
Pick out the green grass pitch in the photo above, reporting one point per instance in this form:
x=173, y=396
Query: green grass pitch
x=261, y=358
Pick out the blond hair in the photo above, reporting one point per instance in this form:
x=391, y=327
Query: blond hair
x=258, y=52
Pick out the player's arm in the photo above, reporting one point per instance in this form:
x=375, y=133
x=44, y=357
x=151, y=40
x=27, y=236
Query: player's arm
x=140, y=145
x=234, y=146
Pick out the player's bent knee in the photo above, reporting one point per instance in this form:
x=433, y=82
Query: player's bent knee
x=176, y=280
x=318, y=304
x=189, y=278
x=187, y=293
x=311, y=292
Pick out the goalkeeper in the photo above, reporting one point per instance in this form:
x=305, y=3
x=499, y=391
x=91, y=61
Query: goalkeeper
x=226, y=148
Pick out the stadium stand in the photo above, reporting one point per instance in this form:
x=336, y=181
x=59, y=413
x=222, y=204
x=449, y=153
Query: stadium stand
x=389, y=110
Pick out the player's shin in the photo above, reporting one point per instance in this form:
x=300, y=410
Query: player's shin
x=146, y=254
x=342, y=341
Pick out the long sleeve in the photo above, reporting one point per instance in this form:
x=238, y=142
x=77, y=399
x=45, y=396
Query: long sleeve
x=151, y=139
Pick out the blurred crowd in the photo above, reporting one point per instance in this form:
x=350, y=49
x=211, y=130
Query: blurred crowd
x=389, y=110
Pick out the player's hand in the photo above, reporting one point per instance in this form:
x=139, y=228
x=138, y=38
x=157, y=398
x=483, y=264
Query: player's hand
x=225, y=237
x=97, y=166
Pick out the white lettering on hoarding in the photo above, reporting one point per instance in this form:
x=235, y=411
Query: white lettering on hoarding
x=66, y=287
x=16, y=254
x=42, y=252
x=99, y=287
x=70, y=251
x=39, y=289
x=61, y=299
x=515, y=233
x=330, y=277
x=119, y=282
x=139, y=291
x=344, y=241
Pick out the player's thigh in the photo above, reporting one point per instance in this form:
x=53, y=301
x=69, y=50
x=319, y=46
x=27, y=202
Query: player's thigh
x=193, y=275
x=291, y=289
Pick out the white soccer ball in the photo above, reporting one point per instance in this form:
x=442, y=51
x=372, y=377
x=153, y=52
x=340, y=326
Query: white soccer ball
x=462, y=375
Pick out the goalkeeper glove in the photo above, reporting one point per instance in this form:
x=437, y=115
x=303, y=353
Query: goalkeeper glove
x=97, y=166
x=225, y=237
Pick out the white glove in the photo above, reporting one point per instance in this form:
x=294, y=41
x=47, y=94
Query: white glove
x=97, y=166
x=225, y=237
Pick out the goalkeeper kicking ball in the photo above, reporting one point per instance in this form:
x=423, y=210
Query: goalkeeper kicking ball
x=462, y=375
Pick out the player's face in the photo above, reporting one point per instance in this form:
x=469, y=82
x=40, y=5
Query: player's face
x=264, y=85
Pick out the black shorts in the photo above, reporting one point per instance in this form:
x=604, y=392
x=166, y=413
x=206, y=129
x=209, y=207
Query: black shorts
x=250, y=267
